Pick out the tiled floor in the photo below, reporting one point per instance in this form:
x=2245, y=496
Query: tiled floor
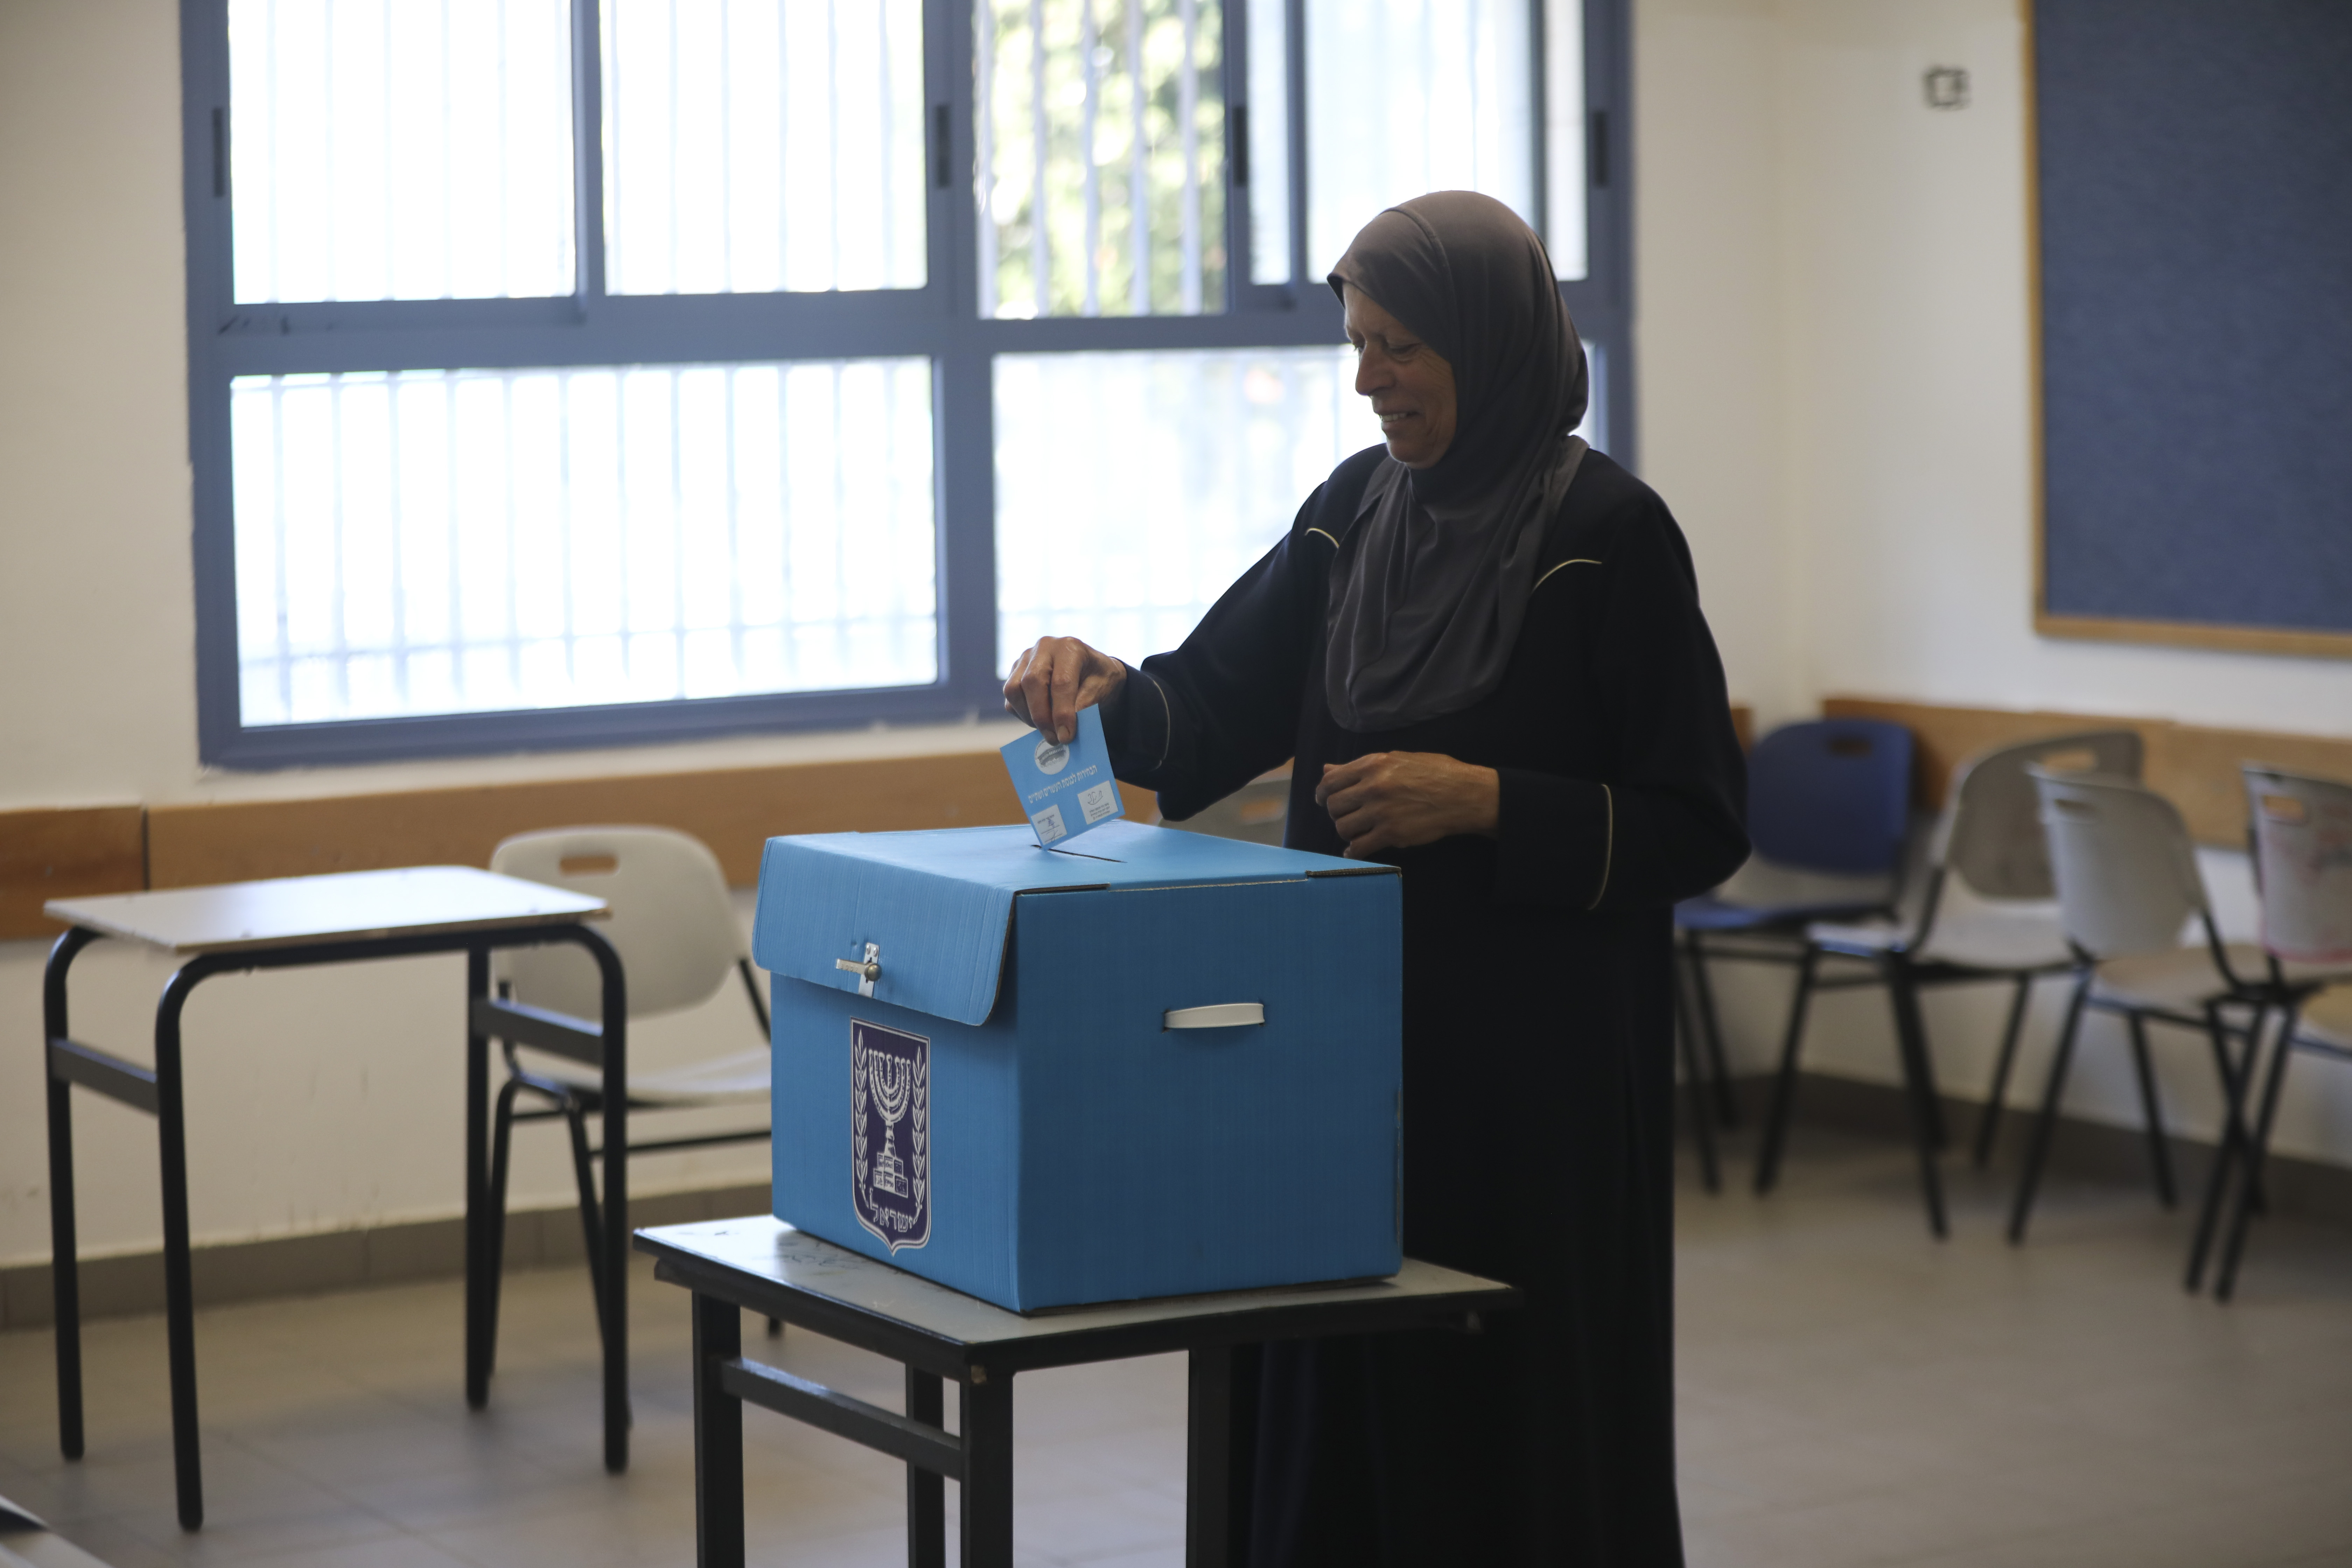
x=1853, y=1394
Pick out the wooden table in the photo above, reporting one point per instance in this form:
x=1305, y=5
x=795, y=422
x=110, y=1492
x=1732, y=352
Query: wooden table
x=765, y=1266
x=299, y=920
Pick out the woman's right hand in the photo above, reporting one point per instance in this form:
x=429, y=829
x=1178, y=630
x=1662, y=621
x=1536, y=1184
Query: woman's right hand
x=1052, y=681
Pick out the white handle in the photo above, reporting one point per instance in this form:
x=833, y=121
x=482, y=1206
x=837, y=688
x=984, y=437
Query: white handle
x=1223, y=1015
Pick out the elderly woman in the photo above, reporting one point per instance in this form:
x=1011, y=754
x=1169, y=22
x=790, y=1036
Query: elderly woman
x=1481, y=647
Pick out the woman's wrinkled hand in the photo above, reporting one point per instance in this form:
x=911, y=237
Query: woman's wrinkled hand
x=1051, y=682
x=1395, y=800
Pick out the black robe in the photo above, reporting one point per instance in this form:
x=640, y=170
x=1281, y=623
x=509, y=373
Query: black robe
x=1538, y=1057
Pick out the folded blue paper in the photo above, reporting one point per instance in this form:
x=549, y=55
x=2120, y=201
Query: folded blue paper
x=1065, y=790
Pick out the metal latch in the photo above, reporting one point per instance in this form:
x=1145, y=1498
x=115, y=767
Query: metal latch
x=868, y=971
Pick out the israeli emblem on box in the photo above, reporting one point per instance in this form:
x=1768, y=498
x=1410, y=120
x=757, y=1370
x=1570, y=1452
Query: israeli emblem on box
x=890, y=1132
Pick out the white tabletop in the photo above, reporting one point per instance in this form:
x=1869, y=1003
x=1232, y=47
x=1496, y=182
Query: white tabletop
x=415, y=900
x=768, y=1247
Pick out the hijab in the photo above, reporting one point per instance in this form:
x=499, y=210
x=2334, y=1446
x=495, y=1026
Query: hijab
x=1431, y=587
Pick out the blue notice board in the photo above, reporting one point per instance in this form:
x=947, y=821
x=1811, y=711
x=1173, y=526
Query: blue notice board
x=2195, y=160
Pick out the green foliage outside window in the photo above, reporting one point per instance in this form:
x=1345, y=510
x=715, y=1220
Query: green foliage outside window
x=1099, y=166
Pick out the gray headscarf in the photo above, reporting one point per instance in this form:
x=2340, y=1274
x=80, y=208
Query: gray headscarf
x=1431, y=587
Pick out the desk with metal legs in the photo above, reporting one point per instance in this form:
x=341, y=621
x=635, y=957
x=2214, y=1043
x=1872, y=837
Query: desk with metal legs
x=765, y=1266
x=338, y=919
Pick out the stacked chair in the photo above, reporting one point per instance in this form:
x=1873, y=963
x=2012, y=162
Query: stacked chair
x=1257, y=813
x=2302, y=843
x=675, y=927
x=1983, y=914
x=2128, y=886
x=1829, y=805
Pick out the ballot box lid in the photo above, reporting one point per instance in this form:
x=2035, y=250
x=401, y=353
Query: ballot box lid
x=938, y=905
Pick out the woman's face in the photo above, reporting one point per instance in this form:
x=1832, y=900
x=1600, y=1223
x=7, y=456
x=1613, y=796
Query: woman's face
x=1411, y=387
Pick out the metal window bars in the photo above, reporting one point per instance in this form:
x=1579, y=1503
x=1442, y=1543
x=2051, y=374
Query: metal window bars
x=464, y=541
x=1101, y=170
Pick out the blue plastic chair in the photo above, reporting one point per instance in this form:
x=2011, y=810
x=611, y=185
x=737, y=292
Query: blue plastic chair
x=1829, y=809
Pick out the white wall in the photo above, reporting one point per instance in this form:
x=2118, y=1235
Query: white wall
x=1831, y=290
x=1714, y=427
x=1839, y=275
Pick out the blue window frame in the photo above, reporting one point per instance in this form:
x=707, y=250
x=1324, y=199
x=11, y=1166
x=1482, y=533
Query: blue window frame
x=454, y=500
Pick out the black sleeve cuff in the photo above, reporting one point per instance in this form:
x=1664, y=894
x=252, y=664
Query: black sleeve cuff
x=1556, y=840
x=1136, y=724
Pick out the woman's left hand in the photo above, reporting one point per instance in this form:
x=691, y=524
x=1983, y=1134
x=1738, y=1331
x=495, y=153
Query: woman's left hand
x=1395, y=800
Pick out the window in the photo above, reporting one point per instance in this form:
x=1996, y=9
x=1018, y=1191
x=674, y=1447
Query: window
x=575, y=372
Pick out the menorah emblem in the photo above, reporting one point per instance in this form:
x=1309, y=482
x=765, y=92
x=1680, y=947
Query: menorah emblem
x=892, y=1079
x=889, y=1114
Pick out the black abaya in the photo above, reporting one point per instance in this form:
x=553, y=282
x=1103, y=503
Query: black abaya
x=1538, y=1061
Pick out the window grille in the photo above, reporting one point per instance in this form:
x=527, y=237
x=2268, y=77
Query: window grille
x=1133, y=488
x=1412, y=95
x=753, y=147
x=389, y=150
x=1101, y=157
x=470, y=542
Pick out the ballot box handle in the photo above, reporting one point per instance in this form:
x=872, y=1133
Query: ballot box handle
x=1223, y=1015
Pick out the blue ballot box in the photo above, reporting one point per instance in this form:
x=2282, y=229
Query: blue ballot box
x=1165, y=1063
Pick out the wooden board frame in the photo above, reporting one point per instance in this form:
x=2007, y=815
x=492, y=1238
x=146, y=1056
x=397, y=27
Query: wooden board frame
x=2283, y=641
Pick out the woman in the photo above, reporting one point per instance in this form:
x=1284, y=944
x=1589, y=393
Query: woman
x=1482, y=645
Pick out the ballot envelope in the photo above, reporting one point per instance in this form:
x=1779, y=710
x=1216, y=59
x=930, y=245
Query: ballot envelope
x=1165, y=1063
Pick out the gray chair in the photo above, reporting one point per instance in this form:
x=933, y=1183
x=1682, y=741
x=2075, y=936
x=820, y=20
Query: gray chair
x=1985, y=913
x=2129, y=886
x=1257, y=813
x=675, y=927
x=2301, y=833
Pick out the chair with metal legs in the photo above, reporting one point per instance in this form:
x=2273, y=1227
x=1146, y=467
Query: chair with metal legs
x=1689, y=1054
x=675, y=928
x=2127, y=885
x=1828, y=813
x=1986, y=913
x=2301, y=832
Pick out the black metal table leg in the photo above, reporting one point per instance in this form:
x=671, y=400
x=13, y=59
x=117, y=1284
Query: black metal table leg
x=179, y=1286
x=616, y=1282
x=65, y=1268
x=479, y=1283
x=717, y=1437
x=1208, y=1460
x=986, y=1402
x=927, y=1516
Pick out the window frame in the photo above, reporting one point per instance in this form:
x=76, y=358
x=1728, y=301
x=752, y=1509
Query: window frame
x=940, y=321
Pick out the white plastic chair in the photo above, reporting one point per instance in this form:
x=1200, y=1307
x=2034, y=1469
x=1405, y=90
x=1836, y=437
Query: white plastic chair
x=1257, y=813
x=675, y=930
x=2127, y=886
x=2302, y=843
x=1986, y=913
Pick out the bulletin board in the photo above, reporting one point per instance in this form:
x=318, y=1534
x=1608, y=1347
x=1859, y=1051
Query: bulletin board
x=2193, y=164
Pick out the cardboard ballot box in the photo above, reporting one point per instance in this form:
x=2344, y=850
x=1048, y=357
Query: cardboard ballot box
x=1166, y=1064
